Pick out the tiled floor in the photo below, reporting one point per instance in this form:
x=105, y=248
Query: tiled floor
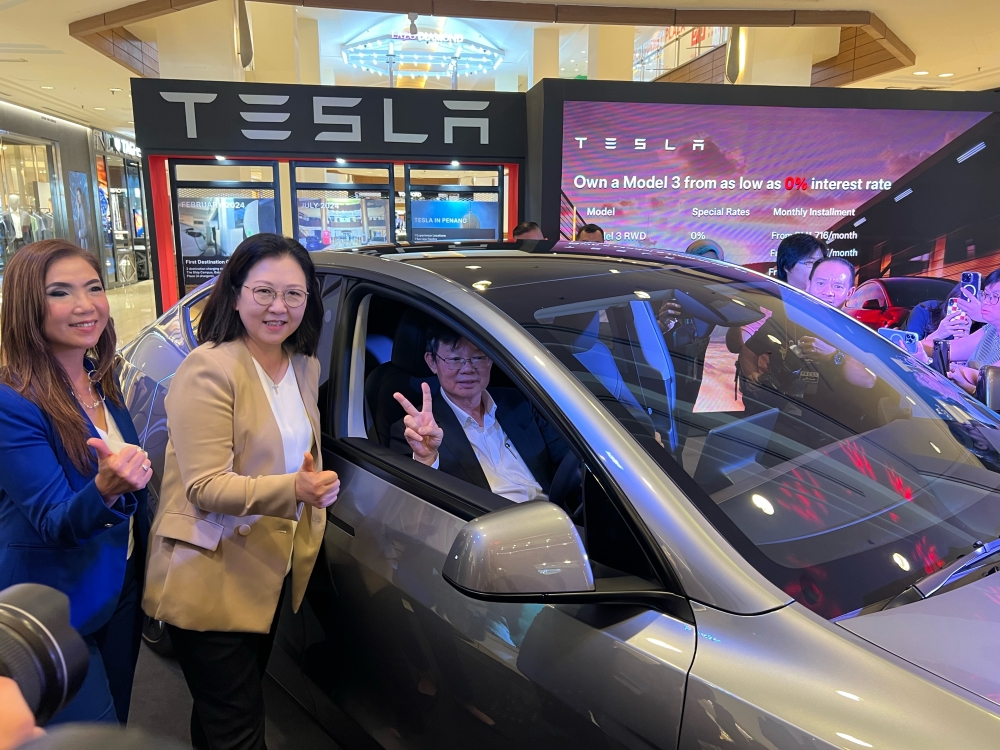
x=132, y=307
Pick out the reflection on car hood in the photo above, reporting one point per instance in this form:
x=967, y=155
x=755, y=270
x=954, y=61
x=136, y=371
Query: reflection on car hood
x=955, y=635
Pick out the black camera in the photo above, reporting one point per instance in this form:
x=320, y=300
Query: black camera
x=39, y=649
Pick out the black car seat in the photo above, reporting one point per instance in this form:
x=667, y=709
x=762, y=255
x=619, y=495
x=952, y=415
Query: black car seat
x=403, y=373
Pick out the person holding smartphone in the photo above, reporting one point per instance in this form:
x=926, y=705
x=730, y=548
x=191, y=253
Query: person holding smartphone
x=982, y=348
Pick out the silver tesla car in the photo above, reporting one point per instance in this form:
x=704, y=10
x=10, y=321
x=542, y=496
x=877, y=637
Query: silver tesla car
x=787, y=547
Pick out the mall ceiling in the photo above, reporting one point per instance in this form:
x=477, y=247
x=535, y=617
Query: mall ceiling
x=43, y=67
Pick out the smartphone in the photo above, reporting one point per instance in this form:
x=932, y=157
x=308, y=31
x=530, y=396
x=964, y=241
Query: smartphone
x=954, y=311
x=972, y=283
x=908, y=341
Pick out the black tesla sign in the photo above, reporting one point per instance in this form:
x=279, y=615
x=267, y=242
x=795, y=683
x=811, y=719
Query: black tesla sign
x=232, y=118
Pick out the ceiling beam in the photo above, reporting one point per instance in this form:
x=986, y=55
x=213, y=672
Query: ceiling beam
x=100, y=31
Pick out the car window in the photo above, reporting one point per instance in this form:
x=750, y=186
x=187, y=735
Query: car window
x=911, y=292
x=840, y=467
x=857, y=299
x=878, y=293
x=387, y=356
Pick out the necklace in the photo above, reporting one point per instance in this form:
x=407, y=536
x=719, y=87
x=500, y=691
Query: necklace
x=83, y=403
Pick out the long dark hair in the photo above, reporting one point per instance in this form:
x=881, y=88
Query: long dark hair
x=27, y=363
x=220, y=322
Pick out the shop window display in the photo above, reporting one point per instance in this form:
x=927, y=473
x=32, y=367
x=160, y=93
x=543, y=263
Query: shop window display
x=341, y=207
x=26, y=213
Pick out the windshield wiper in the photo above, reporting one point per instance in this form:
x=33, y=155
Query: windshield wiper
x=932, y=583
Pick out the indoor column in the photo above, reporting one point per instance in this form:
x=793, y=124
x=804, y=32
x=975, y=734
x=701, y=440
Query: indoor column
x=609, y=53
x=784, y=56
x=545, y=54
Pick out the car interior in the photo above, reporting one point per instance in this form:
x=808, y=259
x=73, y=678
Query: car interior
x=395, y=340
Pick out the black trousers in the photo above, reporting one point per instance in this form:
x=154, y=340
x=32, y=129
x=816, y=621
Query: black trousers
x=225, y=672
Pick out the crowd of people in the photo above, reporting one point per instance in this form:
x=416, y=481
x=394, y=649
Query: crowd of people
x=243, y=426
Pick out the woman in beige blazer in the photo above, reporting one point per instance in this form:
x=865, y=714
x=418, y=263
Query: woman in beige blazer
x=241, y=513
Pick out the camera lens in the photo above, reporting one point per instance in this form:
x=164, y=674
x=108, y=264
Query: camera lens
x=39, y=649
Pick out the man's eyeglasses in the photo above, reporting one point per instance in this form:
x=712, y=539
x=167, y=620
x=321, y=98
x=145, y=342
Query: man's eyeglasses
x=991, y=299
x=457, y=363
x=265, y=296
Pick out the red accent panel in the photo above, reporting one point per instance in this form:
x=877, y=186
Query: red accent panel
x=513, y=212
x=163, y=220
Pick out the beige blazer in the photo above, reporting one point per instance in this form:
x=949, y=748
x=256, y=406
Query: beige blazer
x=219, y=545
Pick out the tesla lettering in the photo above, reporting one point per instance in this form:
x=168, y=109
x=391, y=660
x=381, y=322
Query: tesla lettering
x=389, y=136
x=189, y=100
x=483, y=123
x=321, y=118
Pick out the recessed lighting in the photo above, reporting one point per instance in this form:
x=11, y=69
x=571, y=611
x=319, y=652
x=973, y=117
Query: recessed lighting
x=99, y=109
x=341, y=160
x=455, y=163
x=48, y=88
x=920, y=73
x=221, y=158
x=473, y=268
x=945, y=75
x=561, y=69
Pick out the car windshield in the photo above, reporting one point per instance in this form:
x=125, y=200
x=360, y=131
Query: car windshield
x=911, y=292
x=841, y=468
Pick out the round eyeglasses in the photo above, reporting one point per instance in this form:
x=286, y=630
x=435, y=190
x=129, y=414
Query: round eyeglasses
x=265, y=296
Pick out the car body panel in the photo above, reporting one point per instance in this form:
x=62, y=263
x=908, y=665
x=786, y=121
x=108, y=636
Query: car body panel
x=889, y=292
x=821, y=687
x=510, y=675
x=955, y=634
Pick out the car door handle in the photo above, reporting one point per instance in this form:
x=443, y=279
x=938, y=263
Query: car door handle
x=340, y=524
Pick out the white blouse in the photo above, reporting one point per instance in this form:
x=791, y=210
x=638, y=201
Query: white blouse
x=293, y=422
x=115, y=442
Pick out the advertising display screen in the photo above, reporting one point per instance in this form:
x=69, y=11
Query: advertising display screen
x=212, y=222
x=335, y=219
x=450, y=220
x=896, y=192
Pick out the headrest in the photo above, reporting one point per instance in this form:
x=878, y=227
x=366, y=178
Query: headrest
x=410, y=343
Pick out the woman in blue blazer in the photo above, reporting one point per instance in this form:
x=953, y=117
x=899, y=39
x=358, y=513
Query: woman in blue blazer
x=72, y=477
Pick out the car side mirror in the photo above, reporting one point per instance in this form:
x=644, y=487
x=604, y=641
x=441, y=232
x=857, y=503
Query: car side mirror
x=532, y=549
x=872, y=304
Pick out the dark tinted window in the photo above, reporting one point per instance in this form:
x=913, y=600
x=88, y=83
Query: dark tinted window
x=843, y=477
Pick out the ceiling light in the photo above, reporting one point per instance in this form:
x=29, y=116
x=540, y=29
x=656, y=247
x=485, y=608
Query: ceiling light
x=48, y=88
x=221, y=158
x=481, y=285
x=641, y=295
x=341, y=161
x=901, y=561
x=920, y=73
x=763, y=503
x=454, y=163
x=945, y=75
x=473, y=268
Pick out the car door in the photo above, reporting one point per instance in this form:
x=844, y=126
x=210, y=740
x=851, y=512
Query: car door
x=418, y=664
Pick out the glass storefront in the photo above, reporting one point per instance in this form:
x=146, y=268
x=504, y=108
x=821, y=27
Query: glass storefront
x=342, y=206
x=26, y=195
x=125, y=249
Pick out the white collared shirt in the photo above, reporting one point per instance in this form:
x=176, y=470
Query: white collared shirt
x=115, y=442
x=505, y=470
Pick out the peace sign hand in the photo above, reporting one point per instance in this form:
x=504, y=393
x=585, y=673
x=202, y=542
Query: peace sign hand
x=420, y=428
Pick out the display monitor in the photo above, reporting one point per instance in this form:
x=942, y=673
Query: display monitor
x=895, y=191
x=455, y=217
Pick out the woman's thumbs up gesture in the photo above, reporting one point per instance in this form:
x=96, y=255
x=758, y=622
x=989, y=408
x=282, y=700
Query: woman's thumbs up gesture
x=316, y=488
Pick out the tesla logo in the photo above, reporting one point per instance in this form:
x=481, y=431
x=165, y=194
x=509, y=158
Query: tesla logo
x=266, y=121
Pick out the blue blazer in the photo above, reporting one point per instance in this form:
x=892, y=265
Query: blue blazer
x=54, y=526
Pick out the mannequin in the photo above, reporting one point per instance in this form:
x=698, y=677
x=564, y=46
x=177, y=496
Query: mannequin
x=18, y=224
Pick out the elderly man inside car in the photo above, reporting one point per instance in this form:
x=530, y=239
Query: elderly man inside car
x=493, y=439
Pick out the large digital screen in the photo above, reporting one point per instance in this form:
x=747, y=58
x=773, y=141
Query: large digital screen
x=212, y=222
x=897, y=192
x=452, y=220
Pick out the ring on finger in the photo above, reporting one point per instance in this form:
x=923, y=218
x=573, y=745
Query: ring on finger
x=145, y=467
